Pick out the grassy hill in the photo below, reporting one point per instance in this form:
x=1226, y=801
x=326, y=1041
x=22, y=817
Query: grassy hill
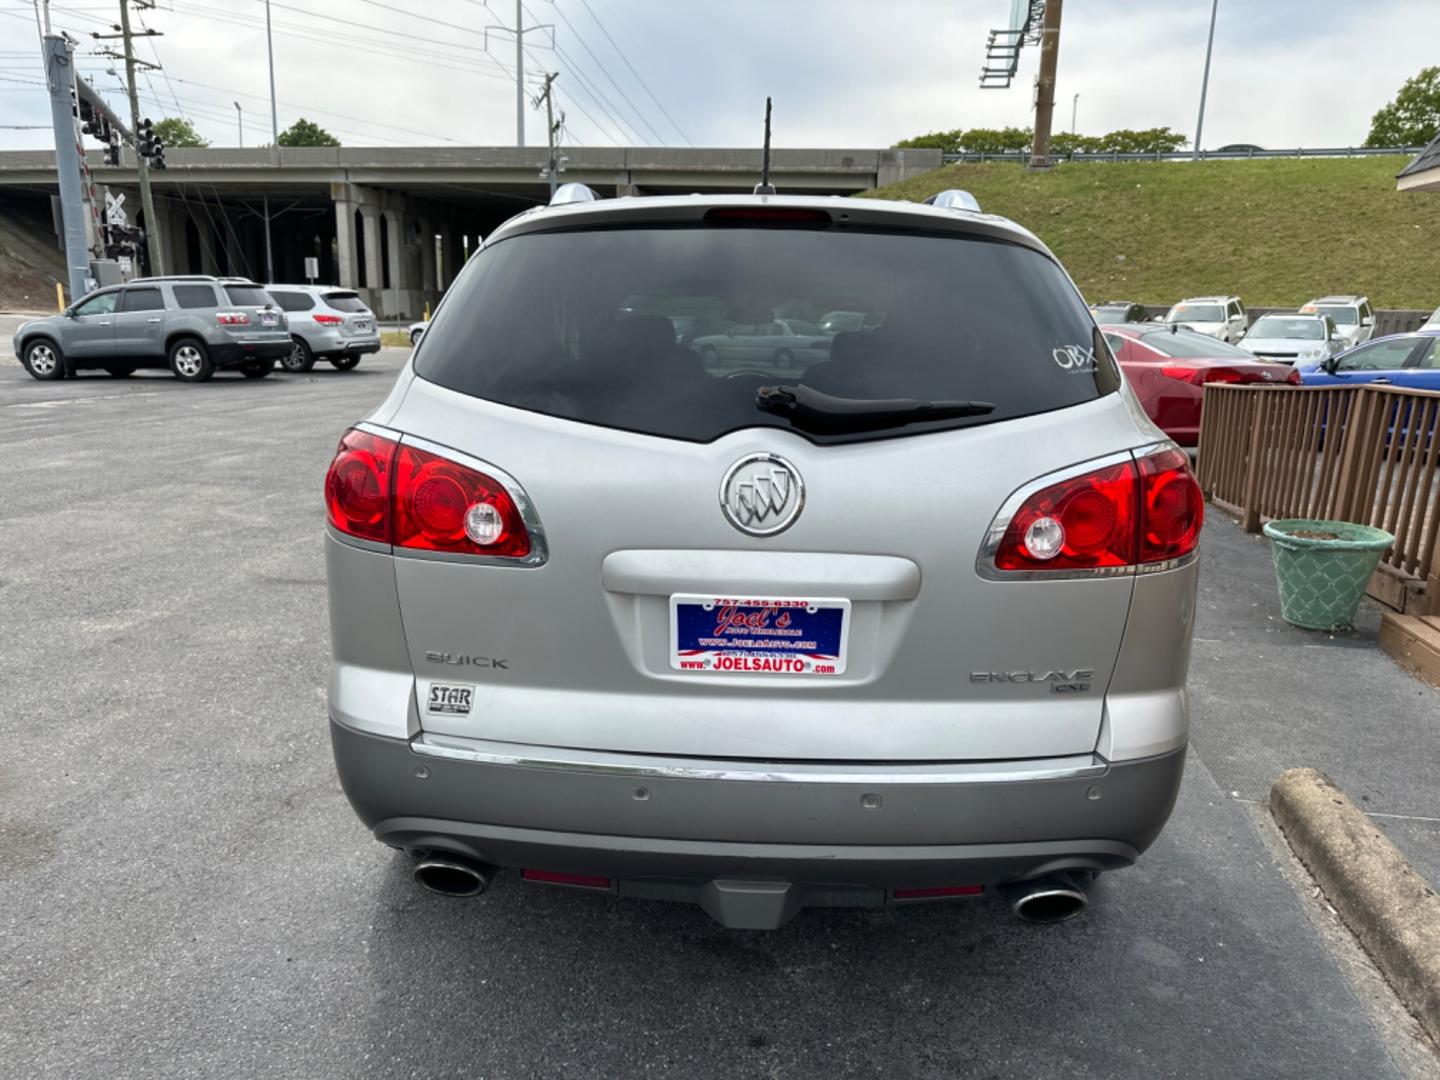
x=1276, y=231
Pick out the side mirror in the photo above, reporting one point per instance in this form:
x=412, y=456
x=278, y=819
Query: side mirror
x=1367, y=321
x=1331, y=365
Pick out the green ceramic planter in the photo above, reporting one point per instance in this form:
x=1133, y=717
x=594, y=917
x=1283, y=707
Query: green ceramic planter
x=1321, y=580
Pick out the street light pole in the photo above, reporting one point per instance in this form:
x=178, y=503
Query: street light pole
x=1205, y=82
x=1074, y=108
x=519, y=72
x=240, y=124
x=274, y=143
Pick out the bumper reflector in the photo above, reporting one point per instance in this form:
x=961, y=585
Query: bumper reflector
x=549, y=877
x=943, y=890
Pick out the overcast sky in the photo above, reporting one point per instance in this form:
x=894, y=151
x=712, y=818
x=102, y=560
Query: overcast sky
x=844, y=73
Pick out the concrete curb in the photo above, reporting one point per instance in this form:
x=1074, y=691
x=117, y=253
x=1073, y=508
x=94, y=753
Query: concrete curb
x=1391, y=909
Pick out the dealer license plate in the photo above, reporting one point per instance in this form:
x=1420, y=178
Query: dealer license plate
x=751, y=635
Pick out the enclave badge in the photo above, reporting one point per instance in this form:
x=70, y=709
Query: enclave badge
x=762, y=494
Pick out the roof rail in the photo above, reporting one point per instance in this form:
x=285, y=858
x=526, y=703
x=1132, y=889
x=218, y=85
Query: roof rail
x=955, y=199
x=173, y=277
x=569, y=194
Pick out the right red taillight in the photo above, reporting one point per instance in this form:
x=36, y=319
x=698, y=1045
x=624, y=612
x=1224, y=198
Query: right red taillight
x=382, y=490
x=1127, y=514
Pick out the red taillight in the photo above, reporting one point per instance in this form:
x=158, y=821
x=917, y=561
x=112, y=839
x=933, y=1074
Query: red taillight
x=441, y=505
x=550, y=877
x=232, y=318
x=328, y=320
x=1117, y=516
x=378, y=489
x=1202, y=375
x=944, y=890
x=1293, y=377
x=1083, y=523
x=1171, y=507
x=357, y=487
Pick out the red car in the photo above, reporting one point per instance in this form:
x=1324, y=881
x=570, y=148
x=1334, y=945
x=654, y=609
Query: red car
x=1169, y=367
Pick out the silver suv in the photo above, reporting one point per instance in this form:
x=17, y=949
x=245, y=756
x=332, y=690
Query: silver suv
x=195, y=325
x=326, y=323
x=905, y=621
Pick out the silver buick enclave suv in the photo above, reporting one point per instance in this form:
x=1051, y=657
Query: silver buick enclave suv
x=905, y=619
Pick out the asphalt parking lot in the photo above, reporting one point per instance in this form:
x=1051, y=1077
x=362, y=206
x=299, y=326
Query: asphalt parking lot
x=185, y=892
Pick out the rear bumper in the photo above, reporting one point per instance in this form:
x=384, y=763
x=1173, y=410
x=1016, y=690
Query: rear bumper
x=649, y=826
x=231, y=353
x=325, y=343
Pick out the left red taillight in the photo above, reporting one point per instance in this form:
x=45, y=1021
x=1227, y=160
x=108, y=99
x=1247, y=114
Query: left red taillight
x=1128, y=514
x=382, y=490
x=358, y=485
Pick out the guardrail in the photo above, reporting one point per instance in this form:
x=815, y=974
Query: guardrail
x=1366, y=454
x=1023, y=157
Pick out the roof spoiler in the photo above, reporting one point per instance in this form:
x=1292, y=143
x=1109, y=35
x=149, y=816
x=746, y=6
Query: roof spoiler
x=954, y=199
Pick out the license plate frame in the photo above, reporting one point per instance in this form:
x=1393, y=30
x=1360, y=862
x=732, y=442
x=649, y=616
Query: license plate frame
x=759, y=635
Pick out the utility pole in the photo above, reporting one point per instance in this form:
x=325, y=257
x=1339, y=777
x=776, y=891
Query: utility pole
x=153, y=247
x=1045, y=85
x=1205, y=82
x=60, y=81
x=274, y=144
x=519, y=30
x=552, y=127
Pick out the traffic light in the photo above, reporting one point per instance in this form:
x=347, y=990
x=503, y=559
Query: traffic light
x=112, y=152
x=87, y=118
x=150, y=146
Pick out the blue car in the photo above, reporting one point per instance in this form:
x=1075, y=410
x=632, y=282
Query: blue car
x=1400, y=360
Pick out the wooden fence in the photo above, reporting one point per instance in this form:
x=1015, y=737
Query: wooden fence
x=1366, y=454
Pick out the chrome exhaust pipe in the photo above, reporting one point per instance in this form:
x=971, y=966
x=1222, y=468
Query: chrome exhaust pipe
x=453, y=875
x=1050, y=899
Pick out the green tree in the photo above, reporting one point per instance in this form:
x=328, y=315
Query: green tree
x=1063, y=143
x=1413, y=118
x=996, y=140
x=305, y=133
x=948, y=141
x=1149, y=141
x=177, y=131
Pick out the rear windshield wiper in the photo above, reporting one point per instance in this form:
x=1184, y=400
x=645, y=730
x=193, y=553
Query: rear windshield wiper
x=825, y=414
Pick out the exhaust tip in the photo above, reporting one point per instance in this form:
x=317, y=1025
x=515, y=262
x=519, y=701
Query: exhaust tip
x=1050, y=899
x=453, y=875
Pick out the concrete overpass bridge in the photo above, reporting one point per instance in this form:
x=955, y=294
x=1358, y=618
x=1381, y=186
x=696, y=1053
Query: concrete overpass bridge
x=396, y=222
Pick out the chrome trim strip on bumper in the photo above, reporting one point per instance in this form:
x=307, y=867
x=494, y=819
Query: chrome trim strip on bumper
x=1081, y=766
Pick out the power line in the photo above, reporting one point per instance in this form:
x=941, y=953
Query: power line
x=645, y=86
x=605, y=131
x=605, y=71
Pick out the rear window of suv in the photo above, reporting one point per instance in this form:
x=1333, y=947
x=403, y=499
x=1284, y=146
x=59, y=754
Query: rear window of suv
x=248, y=296
x=345, y=301
x=653, y=329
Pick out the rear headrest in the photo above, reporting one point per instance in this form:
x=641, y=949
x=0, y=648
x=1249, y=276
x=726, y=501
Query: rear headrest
x=849, y=346
x=643, y=334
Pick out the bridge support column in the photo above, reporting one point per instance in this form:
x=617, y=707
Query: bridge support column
x=397, y=296
x=427, y=258
x=374, y=278
x=347, y=267
x=209, y=263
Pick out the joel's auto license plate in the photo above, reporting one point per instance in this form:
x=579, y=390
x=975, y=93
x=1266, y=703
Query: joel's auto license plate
x=758, y=635
x=269, y=318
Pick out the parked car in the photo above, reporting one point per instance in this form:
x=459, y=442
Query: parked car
x=876, y=631
x=417, y=331
x=1169, y=368
x=1352, y=316
x=1113, y=312
x=196, y=325
x=1221, y=317
x=1291, y=338
x=1400, y=359
x=838, y=322
x=1433, y=322
x=326, y=323
x=783, y=342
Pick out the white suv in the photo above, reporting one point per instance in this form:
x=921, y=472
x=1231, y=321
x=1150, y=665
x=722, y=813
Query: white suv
x=1352, y=316
x=326, y=323
x=1221, y=317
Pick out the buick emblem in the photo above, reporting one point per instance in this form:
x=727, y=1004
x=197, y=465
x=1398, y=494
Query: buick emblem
x=762, y=494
